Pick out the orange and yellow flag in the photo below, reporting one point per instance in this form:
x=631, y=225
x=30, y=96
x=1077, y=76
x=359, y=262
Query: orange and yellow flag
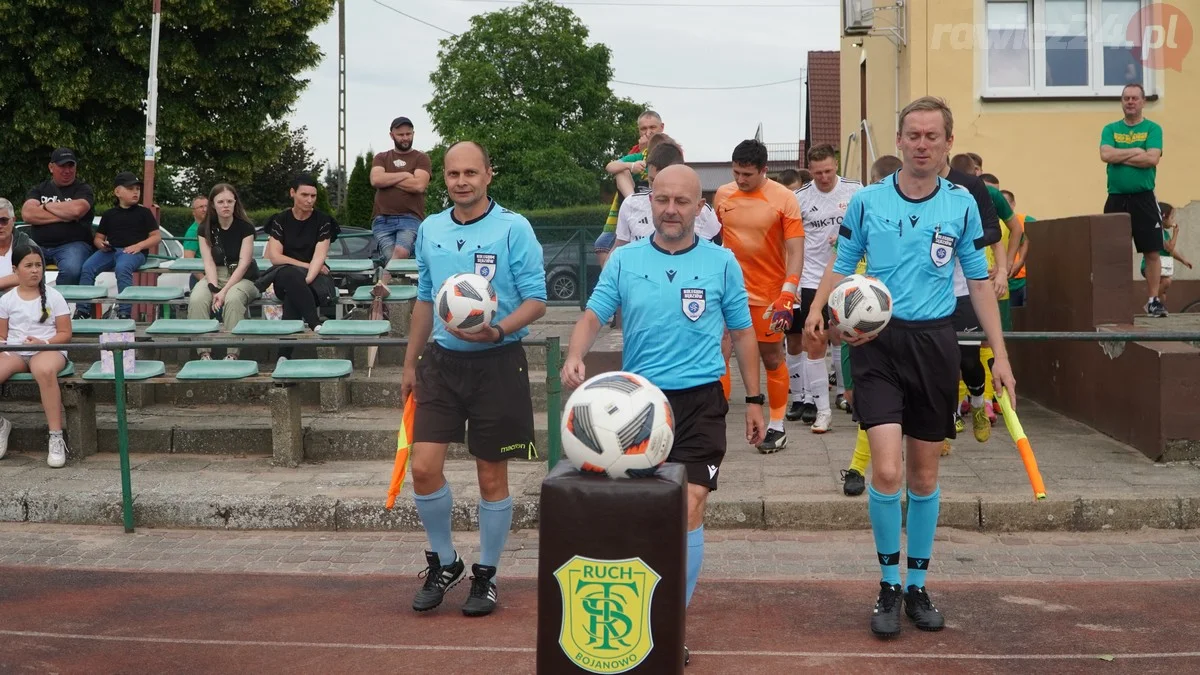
x=403, y=447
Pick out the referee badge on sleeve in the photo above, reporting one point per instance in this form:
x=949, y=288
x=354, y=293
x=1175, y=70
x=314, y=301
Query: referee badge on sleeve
x=485, y=265
x=941, y=251
x=693, y=303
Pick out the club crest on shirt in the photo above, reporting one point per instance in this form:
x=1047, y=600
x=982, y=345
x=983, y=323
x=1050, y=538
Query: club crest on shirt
x=842, y=205
x=941, y=251
x=485, y=265
x=693, y=302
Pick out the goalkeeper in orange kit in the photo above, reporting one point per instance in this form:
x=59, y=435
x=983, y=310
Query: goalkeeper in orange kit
x=762, y=225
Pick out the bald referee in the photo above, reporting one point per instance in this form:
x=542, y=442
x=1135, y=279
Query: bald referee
x=678, y=293
x=478, y=379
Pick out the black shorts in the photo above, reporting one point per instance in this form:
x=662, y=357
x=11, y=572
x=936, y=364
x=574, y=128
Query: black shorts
x=488, y=390
x=908, y=376
x=699, y=431
x=1145, y=218
x=800, y=314
x=965, y=320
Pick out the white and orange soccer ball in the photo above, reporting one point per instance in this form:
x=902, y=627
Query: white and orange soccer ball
x=618, y=424
x=466, y=302
x=861, y=306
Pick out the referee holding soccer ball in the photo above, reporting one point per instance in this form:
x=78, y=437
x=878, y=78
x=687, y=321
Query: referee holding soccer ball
x=478, y=378
x=678, y=293
x=911, y=227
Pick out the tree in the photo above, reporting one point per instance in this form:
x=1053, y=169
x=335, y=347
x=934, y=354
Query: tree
x=360, y=196
x=74, y=74
x=332, y=175
x=269, y=185
x=525, y=83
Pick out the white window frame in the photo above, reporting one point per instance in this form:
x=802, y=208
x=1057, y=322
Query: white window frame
x=1037, y=48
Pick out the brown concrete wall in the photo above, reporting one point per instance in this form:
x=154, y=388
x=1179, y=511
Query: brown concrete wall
x=1145, y=395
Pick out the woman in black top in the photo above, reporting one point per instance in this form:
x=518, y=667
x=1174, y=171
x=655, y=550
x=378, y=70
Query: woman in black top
x=297, y=248
x=226, y=239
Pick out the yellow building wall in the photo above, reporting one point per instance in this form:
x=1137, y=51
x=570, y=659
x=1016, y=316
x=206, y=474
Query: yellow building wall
x=1047, y=153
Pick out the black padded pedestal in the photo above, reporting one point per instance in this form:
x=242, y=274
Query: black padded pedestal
x=612, y=573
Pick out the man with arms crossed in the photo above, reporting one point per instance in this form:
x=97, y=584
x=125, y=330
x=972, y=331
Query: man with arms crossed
x=400, y=177
x=761, y=224
x=480, y=378
x=1132, y=148
x=911, y=227
x=681, y=296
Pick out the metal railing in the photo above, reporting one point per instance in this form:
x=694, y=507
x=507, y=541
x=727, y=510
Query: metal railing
x=554, y=358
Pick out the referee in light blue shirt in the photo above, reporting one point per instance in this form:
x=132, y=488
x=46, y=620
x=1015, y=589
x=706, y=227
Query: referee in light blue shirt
x=678, y=294
x=478, y=379
x=911, y=227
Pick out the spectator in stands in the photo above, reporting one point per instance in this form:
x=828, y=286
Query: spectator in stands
x=297, y=248
x=1168, y=255
x=191, y=249
x=10, y=240
x=226, y=239
x=623, y=170
x=400, y=177
x=33, y=314
x=127, y=233
x=60, y=213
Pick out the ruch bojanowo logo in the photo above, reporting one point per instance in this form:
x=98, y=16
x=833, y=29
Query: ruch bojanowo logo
x=606, y=613
x=1162, y=36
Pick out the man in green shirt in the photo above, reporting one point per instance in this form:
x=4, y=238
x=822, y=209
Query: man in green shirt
x=1132, y=148
x=191, y=247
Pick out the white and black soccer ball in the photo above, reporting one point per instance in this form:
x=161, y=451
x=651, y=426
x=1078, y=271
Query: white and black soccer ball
x=618, y=424
x=861, y=306
x=466, y=302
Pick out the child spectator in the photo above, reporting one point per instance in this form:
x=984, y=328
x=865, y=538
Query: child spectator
x=1167, y=255
x=33, y=314
x=126, y=234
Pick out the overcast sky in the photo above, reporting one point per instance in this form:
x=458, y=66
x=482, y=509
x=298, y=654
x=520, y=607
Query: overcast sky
x=680, y=43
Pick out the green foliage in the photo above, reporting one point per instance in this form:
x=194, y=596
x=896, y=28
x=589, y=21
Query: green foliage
x=175, y=219
x=360, y=196
x=323, y=199
x=526, y=84
x=271, y=183
x=74, y=74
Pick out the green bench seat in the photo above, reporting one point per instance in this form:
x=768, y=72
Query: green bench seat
x=142, y=370
x=312, y=369
x=268, y=327
x=67, y=371
x=150, y=294
x=98, y=326
x=348, y=328
x=350, y=265
x=398, y=293
x=82, y=293
x=402, y=266
x=183, y=327
x=186, y=265
x=217, y=370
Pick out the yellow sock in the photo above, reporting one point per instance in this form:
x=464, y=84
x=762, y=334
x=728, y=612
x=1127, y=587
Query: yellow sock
x=962, y=390
x=985, y=355
x=862, y=453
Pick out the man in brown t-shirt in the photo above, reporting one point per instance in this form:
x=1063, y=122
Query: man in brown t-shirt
x=399, y=177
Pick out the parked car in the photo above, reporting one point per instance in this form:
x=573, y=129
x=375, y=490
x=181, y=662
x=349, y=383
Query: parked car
x=562, y=269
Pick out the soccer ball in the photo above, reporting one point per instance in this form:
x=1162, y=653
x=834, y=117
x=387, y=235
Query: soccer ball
x=466, y=302
x=861, y=306
x=619, y=424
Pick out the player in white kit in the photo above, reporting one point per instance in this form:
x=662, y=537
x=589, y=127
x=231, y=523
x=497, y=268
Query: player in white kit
x=823, y=204
x=636, y=221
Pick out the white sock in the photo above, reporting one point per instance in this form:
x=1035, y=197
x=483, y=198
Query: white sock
x=835, y=353
x=818, y=383
x=777, y=425
x=976, y=401
x=795, y=366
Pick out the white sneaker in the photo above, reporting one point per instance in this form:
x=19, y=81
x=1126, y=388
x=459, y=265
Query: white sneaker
x=5, y=430
x=58, y=452
x=823, y=421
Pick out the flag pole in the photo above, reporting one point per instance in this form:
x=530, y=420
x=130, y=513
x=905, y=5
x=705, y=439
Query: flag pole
x=151, y=112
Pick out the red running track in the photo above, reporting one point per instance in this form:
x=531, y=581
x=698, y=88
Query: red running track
x=69, y=621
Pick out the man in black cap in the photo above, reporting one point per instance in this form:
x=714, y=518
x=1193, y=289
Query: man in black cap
x=399, y=177
x=60, y=211
x=127, y=233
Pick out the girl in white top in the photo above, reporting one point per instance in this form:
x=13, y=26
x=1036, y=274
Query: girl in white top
x=35, y=315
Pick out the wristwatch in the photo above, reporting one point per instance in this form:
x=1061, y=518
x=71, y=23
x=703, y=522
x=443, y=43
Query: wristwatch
x=759, y=400
x=499, y=335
